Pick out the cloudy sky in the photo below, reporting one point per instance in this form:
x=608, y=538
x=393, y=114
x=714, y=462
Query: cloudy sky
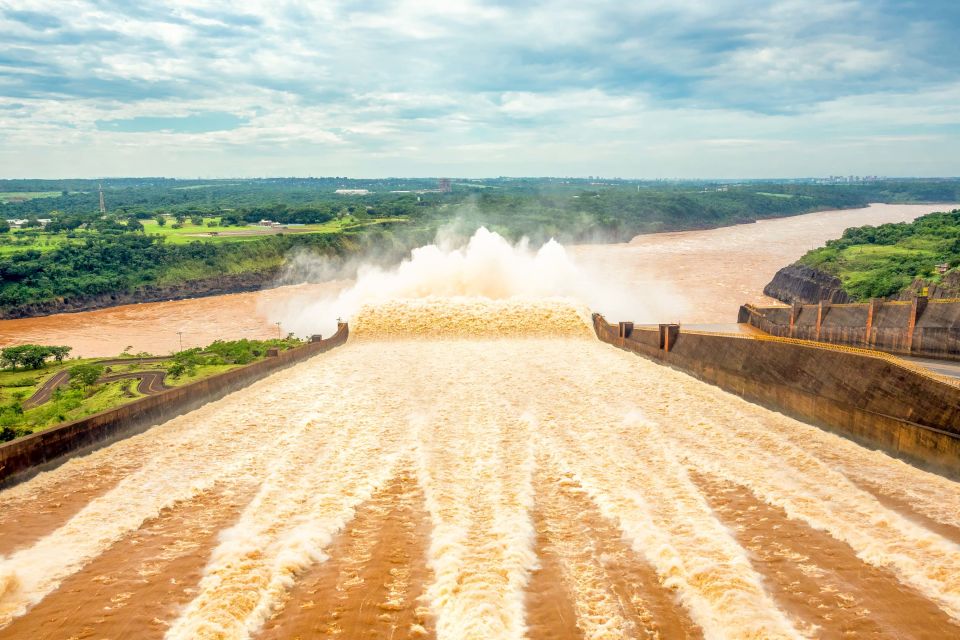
x=644, y=88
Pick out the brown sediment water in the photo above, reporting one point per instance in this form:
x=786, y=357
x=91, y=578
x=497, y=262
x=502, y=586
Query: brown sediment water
x=373, y=584
x=468, y=484
x=711, y=271
x=616, y=593
x=159, y=327
x=136, y=586
x=819, y=579
x=717, y=270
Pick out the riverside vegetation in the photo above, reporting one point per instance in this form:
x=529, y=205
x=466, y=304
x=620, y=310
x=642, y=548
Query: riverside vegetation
x=892, y=259
x=183, y=238
x=92, y=385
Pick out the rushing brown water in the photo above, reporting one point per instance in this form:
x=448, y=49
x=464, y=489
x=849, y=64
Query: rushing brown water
x=439, y=479
x=705, y=274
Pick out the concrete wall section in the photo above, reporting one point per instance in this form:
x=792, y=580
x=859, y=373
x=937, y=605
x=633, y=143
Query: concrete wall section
x=21, y=458
x=921, y=328
x=871, y=399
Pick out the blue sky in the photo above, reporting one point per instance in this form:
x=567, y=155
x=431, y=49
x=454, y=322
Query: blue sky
x=652, y=88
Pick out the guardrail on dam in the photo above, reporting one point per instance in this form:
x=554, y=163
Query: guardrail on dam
x=25, y=456
x=918, y=327
x=870, y=397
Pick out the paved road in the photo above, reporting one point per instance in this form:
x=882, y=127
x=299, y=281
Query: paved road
x=943, y=367
x=46, y=390
x=151, y=382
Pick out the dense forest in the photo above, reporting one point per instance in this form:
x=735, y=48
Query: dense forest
x=81, y=253
x=883, y=261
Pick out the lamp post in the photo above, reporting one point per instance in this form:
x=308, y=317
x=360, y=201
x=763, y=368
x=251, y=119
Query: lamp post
x=180, y=334
x=278, y=330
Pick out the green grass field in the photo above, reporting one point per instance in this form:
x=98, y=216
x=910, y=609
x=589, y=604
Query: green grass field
x=192, y=233
x=13, y=196
x=775, y=195
x=18, y=240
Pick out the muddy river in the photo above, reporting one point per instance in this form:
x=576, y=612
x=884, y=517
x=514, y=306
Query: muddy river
x=692, y=277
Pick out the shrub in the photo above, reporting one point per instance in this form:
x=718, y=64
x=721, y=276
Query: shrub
x=85, y=375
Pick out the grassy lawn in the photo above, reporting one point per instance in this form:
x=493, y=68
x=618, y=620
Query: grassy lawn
x=868, y=270
x=200, y=372
x=192, y=233
x=73, y=404
x=15, y=196
x=19, y=240
x=25, y=383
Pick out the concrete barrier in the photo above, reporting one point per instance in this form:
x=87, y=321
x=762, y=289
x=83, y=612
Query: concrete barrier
x=919, y=327
x=875, y=399
x=24, y=457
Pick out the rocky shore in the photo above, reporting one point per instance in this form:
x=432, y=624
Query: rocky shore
x=799, y=283
x=948, y=287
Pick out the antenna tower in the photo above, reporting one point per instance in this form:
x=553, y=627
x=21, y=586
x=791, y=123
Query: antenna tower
x=103, y=207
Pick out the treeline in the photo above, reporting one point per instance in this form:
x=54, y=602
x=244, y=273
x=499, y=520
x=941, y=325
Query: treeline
x=621, y=213
x=115, y=263
x=396, y=197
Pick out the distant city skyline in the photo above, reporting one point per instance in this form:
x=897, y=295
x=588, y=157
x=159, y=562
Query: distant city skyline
x=723, y=90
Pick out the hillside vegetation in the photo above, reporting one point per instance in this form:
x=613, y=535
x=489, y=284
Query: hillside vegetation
x=884, y=261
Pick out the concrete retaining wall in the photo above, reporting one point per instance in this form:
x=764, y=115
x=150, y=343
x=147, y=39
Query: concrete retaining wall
x=871, y=399
x=23, y=457
x=921, y=327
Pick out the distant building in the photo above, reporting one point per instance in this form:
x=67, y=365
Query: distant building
x=943, y=268
x=20, y=223
x=352, y=192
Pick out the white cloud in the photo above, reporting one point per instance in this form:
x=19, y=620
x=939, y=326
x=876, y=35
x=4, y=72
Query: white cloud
x=656, y=88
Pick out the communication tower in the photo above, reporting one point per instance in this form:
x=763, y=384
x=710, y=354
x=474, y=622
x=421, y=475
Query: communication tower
x=103, y=207
x=445, y=185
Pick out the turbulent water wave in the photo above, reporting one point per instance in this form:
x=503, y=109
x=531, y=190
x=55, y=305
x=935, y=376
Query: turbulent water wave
x=471, y=318
x=497, y=410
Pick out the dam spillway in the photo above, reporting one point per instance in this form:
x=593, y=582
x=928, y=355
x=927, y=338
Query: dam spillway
x=464, y=469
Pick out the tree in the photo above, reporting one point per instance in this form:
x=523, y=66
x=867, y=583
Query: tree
x=181, y=218
x=29, y=356
x=4, y=226
x=196, y=220
x=85, y=375
x=133, y=224
x=9, y=358
x=161, y=219
x=59, y=353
